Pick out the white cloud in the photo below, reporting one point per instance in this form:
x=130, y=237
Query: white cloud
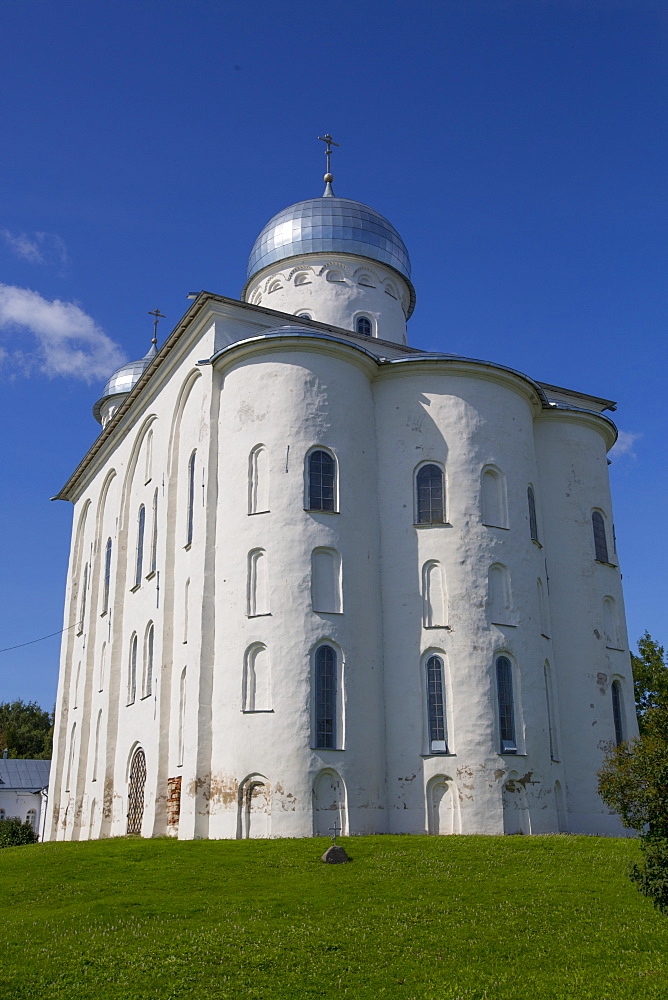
x=624, y=444
x=70, y=343
x=40, y=248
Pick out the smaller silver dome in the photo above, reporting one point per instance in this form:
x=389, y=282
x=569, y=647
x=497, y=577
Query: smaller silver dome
x=124, y=380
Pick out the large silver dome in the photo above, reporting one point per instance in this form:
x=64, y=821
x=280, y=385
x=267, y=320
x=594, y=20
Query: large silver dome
x=124, y=380
x=330, y=224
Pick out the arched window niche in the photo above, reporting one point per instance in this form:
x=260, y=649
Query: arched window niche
x=321, y=481
x=506, y=705
x=139, y=555
x=326, y=589
x=429, y=494
x=327, y=698
x=256, y=690
x=499, y=599
x=180, y=740
x=147, y=674
x=82, y=603
x=106, y=586
x=132, y=670
x=543, y=614
x=434, y=595
x=611, y=623
x=436, y=714
x=258, y=480
x=493, y=498
x=600, y=538
x=257, y=593
x=551, y=713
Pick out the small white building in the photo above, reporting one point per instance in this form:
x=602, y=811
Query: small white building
x=320, y=577
x=23, y=791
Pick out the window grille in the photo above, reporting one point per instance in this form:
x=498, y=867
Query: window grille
x=141, y=522
x=321, y=481
x=600, y=541
x=325, y=698
x=617, y=712
x=430, y=495
x=436, y=705
x=363, y=325
x=504, y=684
x=136, y=792
x=533, y=523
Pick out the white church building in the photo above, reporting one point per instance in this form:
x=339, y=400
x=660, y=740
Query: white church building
x=320, y=578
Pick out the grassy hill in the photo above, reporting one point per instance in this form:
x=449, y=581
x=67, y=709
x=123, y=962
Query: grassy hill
x=449, y=918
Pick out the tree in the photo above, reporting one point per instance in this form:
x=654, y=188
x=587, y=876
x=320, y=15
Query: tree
x=650, y=677
x=26, y=730
x=634, y=782
x=14, y=833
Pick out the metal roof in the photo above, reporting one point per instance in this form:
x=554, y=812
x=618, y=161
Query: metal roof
x=31, y=775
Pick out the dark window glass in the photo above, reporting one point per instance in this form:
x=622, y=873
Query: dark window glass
x=504, y=685
x=321, y=481
x=191, y=498
x=141, y=521
x=325, y=698
x=430, y=495
x=600, y=541
x=533, y=523
x=617, y=712
x=107, y=575
x=436, y=704
x=363, y=325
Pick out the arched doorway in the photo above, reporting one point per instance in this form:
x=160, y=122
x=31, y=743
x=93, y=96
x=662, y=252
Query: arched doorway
x=329, y=804
x=136, y=791
x=254, y=808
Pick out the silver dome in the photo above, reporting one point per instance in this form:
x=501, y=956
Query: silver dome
x=330, y=225
x=124, y=380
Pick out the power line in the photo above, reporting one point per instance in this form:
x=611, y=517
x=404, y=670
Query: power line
x=49, y=636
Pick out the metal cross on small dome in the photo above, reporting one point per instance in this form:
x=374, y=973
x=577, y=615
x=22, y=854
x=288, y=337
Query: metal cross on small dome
x=328, y=153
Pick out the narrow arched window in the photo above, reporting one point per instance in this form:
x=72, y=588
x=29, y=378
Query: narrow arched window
x=325, y=698
x=148, y=465
x=132, y=670
x=321, y=481
x=617, y=716
x=191, y=498
x=139, y=562
x=430, y=495
x=549, y=699
x=600, y=541
x=436, y=706
x=258, y=480
x=82, y=606
x=96, y=754
x=154, y=534
x=363, y=326
x=533, y=523
x=148, y=662
x=31, y=817
x=107, y=577
x=504, y=687
x=182, y=718
x=494, y=499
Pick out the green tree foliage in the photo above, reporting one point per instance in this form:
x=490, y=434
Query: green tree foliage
x=634, y=782
x=14, y=833
x=650, y=677
x=26, y=730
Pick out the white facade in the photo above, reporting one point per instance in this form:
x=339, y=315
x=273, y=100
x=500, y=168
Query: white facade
x=204, y=656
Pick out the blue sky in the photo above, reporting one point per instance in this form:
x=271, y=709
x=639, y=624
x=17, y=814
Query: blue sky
x=520, y=148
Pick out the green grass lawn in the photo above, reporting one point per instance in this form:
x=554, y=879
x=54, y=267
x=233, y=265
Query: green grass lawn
x=434, y=918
